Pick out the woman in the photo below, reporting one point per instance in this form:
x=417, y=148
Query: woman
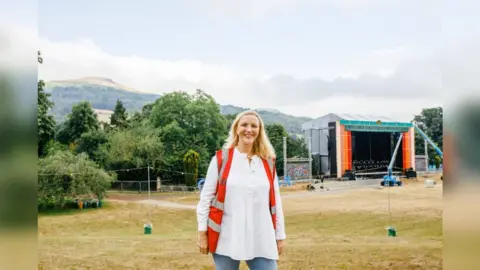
x=240, y=217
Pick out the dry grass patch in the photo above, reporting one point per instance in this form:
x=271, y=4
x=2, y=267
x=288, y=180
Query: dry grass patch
x=359, y=241
x=186, y=199
x=343, y=237
x=411, y=199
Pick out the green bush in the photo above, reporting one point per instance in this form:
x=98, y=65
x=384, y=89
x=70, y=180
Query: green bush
x=64, y=176
x=190, y=161
x=438, y=161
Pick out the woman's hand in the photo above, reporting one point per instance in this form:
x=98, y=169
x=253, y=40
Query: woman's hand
x=202, y=242
x=280, y=245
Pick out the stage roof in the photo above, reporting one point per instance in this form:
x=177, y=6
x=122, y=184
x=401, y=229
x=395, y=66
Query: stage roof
x=357, y=122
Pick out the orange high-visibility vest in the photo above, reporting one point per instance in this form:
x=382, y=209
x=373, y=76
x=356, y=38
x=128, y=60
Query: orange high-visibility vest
x=216, y=208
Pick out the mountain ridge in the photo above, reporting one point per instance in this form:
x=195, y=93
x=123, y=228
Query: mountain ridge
x=97, y=81
x=103, y=93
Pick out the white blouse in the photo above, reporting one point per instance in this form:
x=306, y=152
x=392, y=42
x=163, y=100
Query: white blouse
x=247, y=230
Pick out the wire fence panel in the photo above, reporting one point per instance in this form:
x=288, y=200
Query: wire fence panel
x=142, y=187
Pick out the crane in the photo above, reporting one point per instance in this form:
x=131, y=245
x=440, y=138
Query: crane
x=428, y=140
x=390, y=179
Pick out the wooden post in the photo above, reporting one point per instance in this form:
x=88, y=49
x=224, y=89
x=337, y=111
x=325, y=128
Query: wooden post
x=159, y=183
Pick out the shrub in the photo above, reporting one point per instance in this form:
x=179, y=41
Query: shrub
x=64, y=176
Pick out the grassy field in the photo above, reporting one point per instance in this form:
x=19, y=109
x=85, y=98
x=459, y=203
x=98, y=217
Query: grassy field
x=325, y=231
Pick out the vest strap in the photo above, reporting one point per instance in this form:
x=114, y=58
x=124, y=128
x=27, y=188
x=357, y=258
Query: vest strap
x=221, y=165
x=214, y=226
x=217, y=204
x=273, y=209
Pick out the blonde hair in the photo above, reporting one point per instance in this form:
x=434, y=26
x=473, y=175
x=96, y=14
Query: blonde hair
x=262, y=145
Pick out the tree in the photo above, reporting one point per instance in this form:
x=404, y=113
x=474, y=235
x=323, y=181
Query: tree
x=296, y=147
x=437, y=160
x=119, y=116
x=134, y=148
x=90, y=143
x=54, y=146
x=140, y=117
x=64, y=176
x=229, y=118
x=81, y=120
x=430, y=121
x=45, y=122
x=275, y=133
x=188, y=122
x=147, y=109
x=190, y=162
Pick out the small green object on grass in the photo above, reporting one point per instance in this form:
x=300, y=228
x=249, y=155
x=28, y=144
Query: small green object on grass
x=392, y=231
x=147, y=228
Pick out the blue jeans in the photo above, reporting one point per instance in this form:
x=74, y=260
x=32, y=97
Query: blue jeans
x=227, y=263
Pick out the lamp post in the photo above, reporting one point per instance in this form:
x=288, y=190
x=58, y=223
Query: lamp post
x=284, y=158
x=310, y=155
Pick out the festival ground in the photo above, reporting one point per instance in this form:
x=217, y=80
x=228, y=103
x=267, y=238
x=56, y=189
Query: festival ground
x=326, y=230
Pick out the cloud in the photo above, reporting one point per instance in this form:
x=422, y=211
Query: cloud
x=251, y=9
x=257, y=9
x=405, y=83
x=84, y=58
x=416, y=80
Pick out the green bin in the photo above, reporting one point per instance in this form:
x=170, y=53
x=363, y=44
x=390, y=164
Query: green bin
x=147, y=228
x=392, y=232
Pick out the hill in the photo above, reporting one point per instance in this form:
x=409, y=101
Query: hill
x=103, y=94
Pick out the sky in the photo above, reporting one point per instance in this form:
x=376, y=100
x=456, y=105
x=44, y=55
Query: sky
x=302, y=57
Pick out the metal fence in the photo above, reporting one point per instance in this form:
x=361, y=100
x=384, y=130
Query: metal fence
x=142, y=187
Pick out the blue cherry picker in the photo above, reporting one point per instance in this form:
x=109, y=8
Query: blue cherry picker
x=390, y=179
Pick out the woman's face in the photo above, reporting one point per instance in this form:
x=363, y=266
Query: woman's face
x=248, y=129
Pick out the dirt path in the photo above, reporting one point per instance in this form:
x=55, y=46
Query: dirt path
x=413, y=197
x=160, y=202
x=117, y=196
x=168, y=204
x=336, y=187
x=364, y=194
